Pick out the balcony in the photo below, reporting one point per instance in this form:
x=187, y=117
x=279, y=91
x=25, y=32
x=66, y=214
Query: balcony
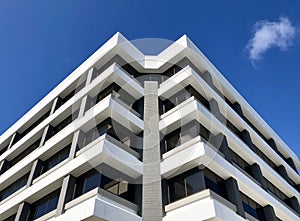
x=113, y=206
x=191, y=208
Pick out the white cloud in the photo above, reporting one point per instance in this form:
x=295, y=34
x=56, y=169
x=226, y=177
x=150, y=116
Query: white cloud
x=268, y=35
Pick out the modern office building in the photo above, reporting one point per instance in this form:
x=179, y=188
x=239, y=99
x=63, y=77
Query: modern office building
x=128, y=136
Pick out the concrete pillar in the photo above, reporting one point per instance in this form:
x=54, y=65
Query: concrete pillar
x=294, y=203
x=23, y=212
x=77, y=137
x=220, y=143
x=214, y=108
x=256, y=173
x=66, y=194
x=238, y=109
x=46, y=134
x=291, y=163
x=48, y=129
x=272, y=144
x=245, y=136
x=267, y=213
x=76, y=143
x=90, y=102
x=282, y=171
x=56, y=104
x=234, y=195
x=208, y=79
x=152, y=198
x=36, y=169
x=15, y=138
x=90, y=75
x=82, y=107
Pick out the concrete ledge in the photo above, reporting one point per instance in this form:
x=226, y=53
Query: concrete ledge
x=106, y=196
x=47, y=216
x=177, y=107
x=181, y=147
x=199, y=196
x=250, y=218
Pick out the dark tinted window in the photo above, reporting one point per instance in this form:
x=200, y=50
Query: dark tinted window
x=27, y=151
x=56, y=159
x=15, y=186
x=250, y=206
x=45, y=205
x=185, y=184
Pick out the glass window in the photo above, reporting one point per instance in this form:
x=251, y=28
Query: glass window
x=63, y=124
x=56, y=159
x=46, y=204
x=212, y=181
x=189, y=131
x=94, y=133
x=14, y=187
x=32, y=126
x=27, y=151
x=185, y=184
x=250, y=206
x=177, y=190
x=91, y=182
x=172, y=140
x=193, y=183
x=93, y=179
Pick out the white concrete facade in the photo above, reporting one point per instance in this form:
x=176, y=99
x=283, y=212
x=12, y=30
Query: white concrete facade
x=47, y=157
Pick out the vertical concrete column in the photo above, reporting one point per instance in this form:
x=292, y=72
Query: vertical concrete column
x=222, y=144
x=48, y=129
x=14, y=139
x=234, y=195
x=245, y=135
x=10, y=142
x=46, y=134
x=292, y=164
x=23, y=212
x=282, y=171
x=272, y=144
x=35, y=171
x=215, y=110
x=208, y=79
x=238, y=109
x=77, y=137
x=294, y=203
x=257, y=174
x=152, y=198
x=267, y=213
x=56, y=104
x=91, y=73
x=66, y=193
x=86, y=98
x=75, y=143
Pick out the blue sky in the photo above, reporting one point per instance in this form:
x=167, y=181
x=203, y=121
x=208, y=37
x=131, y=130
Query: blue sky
x=41, y=42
